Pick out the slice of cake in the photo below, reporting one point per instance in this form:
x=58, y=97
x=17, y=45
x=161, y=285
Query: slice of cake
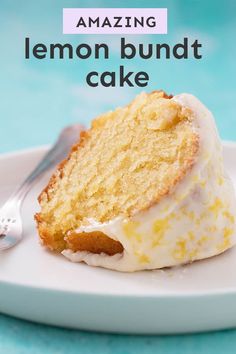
x=144, y=188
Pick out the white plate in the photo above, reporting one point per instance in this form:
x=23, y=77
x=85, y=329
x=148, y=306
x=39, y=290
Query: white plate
x=40, y=286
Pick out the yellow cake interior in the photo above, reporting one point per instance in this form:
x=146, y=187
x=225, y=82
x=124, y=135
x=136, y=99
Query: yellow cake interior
x=128, y=161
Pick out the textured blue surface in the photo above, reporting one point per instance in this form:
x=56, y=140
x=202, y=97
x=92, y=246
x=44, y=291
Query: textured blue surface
x=39, y=97
x=20, y=337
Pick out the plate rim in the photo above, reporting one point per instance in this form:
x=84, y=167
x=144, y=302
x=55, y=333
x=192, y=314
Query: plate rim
x=170, y=295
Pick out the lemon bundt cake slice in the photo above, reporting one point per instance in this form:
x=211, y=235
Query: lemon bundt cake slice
x=144, y=188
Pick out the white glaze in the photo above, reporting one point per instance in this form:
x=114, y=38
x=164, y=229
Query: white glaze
x=196, y=221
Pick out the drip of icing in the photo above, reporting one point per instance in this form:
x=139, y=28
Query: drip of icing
x=196, y=221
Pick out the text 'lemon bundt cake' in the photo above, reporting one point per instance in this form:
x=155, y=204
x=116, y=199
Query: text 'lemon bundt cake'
x=144, y=188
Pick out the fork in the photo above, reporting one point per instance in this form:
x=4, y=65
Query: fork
x=11, y=229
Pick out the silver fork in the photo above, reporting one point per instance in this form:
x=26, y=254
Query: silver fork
x=10, y=214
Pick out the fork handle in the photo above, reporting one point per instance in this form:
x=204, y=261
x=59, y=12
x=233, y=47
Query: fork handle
x=54, y=156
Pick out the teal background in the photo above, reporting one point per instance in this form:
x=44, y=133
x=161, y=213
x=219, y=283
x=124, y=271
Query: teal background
x=20, y=337
x=39, y=97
